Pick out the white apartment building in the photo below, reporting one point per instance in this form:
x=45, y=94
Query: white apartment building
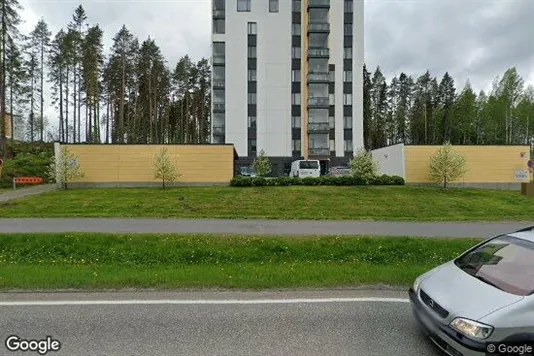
x=287, y=78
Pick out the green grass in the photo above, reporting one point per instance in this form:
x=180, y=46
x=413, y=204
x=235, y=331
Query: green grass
x=341, y=203
x=113, y=261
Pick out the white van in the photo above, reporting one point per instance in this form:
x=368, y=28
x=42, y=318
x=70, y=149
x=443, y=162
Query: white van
x=305, y=168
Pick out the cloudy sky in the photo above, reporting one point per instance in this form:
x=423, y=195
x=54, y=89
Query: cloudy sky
x=471, y=39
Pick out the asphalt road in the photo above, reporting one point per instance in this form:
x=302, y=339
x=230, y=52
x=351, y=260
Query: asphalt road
x=217, y=324
x=266, y=227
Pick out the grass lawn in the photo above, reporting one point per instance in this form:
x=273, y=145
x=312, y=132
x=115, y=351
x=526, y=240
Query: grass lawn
x=319, y=202
x=113, y=261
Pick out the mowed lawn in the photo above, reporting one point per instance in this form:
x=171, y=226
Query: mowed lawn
x=116, y=261
x=318, y=202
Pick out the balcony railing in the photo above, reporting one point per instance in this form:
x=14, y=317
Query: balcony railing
x=321, y=102
x=218, y=130
x=319, y=3
x=318, y=27
x=219, y=14
x=219, y=59
x=319, y=52
x=322, y=151
x=218, y=84
x=218, y=108
x=318, y=77
x=318, y=127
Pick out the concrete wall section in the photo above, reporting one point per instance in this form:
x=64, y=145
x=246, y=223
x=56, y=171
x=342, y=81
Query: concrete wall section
x=390, y=160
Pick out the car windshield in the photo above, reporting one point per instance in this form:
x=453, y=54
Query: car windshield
x=309, y=165
x=505, y=262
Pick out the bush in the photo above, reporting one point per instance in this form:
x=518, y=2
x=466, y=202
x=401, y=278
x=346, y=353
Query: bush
x=25, y=165
x=310, y=181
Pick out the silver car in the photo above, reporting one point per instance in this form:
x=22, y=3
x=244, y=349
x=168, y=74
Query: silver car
x=481, y=302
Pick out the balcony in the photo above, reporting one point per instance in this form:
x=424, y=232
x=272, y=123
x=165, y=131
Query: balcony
x=318, y=127
x=318, y=77
x=219, y=59
x=219, y=14
x=318, y=53
x=322, y=4
x=319, y=102
x=218, y=84
x=318, y=27
x=218, y=130
x=219, y=108
x=321, y=151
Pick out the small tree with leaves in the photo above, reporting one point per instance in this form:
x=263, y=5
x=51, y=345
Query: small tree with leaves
x=446, y=165
x=363, y=164
x=262, y=164
x=65, y=168
x=164, y=169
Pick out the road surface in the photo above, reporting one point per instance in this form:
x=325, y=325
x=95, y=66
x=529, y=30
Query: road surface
x=324, y=323
x=265, y=227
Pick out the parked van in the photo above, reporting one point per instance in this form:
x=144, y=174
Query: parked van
x=305, y=168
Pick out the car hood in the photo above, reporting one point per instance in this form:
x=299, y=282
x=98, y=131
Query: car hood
x=463, y=295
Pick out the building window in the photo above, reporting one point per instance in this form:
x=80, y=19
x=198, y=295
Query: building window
x=296, y=145
x=217, y=139
x=347, y=53
x=295, y=52
x=295, y=99
x=243, y=5
x=295, y=75
x=252, y=75
x=252, y=28
x=252, y=145
x=296, y=29
x=218, y=26
x=252, y=98
x=251, y=52
x=297, y=5
x=295, y=122
x=349, y=5
x=332, y=145
x=347, y=99
x=273, y=5
x=252, y=121
x=332, y=76
x=347, y=76
x=332, y=122
x=348, y=29
x=331, y=99
x=348, y=145
x=347, y=122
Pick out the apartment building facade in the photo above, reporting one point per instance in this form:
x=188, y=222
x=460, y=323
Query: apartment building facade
x=287, y=78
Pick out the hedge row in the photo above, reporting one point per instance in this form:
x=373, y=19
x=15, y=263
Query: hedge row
x=25, y=165
x=324, y=180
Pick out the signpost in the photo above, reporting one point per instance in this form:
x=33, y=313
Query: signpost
x=1, y=166
x=522, y=175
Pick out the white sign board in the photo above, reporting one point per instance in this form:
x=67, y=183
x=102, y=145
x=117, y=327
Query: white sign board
x=522, y=175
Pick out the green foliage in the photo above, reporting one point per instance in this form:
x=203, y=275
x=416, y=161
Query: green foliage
x=364, y=165
x=25, y=165
x=262, y=164
x=65, y=168
x=315, y=181
x=164, y=169
x=446, y=165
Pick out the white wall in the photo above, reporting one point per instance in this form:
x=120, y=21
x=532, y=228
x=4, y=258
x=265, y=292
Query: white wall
x=357, y=71
x=390, y=160
x=274, y=78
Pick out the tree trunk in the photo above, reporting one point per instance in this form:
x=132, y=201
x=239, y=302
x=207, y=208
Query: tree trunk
x=107, y=117
x=67, y=105
x=61, y=119
x=41, y=118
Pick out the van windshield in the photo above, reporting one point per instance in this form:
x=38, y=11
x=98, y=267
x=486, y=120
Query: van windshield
x=309, y=165
x=505, y=262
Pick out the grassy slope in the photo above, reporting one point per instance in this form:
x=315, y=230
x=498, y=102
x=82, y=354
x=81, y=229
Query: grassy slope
x=100, y=261
x=369, y=203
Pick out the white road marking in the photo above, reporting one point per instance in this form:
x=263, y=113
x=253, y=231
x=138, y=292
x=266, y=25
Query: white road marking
x=200, y=301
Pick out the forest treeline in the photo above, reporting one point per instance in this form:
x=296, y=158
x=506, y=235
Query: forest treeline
x=133, y=94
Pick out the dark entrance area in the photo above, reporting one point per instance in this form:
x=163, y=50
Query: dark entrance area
x=325, y=166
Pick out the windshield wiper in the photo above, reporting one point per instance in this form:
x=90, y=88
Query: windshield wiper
x=480, y=278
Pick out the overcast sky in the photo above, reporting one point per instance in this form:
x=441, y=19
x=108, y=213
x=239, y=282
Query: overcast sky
x=475, y=39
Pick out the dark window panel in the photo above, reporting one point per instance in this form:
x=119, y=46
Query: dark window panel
x=331, y=67
x=347, y=41
x=296, y=134
x=332, y=110
x=295, y=87
x=296, y=17
x=252, y=63
x=347, y=88
x=331, y=88
x=252, y=109
x=252, y=40
x=332, y=134
x=252, y=87
x=295, y=110
x=295, y=63
x=347, y=110
x=296, y=41
x=252, y=133
x=348, y=18
x=347, y=134
x=347, y=64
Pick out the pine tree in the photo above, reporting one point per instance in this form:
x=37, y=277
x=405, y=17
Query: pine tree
x=91, y=69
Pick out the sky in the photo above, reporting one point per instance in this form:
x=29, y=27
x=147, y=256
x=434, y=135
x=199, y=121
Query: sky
x=471, y=39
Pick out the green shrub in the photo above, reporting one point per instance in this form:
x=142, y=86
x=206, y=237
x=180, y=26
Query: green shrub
x=25, y=165
x=316, y=181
